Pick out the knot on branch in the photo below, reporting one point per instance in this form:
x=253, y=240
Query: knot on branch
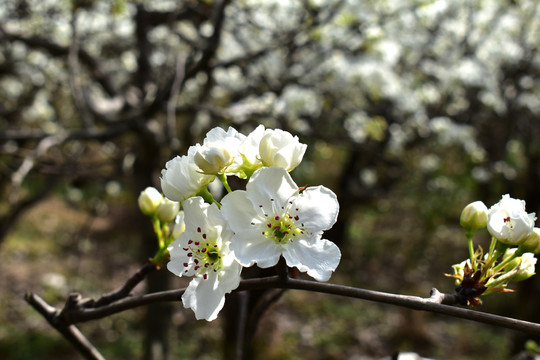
x=74, y=303
x=447, y=299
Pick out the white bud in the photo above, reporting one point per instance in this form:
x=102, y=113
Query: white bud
x=474, y=216
x=149, y=200
x=167, y=210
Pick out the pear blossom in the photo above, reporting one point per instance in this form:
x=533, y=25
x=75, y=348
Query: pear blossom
x=182, y=179
x=218, y=151
x=149, y=200
x=272, y=217
x=280, y=148
x=202, y=251
x=508, y=221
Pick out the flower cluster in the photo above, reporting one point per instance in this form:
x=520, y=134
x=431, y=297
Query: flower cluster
x=514, y=241
x=270, y=219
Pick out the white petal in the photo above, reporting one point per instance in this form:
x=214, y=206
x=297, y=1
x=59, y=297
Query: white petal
x=271, y=183
x=201, y=296
x=250, y=145
x=237, y=210
x=206, y=297
x=318, y=258
x=229, y=277
x=230, y=136
x=179, y=258
x=181, y=178
x=318, y=208
x=250, y=247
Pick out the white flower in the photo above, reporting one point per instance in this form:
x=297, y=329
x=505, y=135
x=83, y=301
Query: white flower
x=181, y=178
x=280, y=148
x=273, y=218
x=202, y=251
x=149, y=200
x=508, y=221
x=218, y=151
x=167, y=210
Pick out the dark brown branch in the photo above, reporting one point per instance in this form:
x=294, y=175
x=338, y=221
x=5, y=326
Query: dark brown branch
x=69, y=331
x=109, y=132
x=431, y=304
x=75, y=76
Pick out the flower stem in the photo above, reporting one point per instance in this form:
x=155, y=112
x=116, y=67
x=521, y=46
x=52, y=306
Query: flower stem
x=207, y=196
x=160, y=256
x=499, y=267
x=469, y=235
x=157, y=229
x=223, y=179
x=500, y=248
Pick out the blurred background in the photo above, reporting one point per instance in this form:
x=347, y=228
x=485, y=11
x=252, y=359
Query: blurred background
x=410, y=109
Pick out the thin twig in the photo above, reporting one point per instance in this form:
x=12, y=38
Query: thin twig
x=129, y=285
x=176, y=86
x=28, y=163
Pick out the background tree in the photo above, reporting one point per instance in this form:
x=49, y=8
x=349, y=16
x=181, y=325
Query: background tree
x=413, y=109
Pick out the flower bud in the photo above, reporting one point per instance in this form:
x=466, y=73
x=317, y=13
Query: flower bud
x=526, y=269
x=149, y=200
x=280, y=148
x=212, y=160
x=167, y=210
x=532, y=243
x=474, y=216
x=526, y=263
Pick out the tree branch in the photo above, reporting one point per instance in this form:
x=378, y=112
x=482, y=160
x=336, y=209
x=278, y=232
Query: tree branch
x=75, y=76
x=69, y=331
x=436, y=303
